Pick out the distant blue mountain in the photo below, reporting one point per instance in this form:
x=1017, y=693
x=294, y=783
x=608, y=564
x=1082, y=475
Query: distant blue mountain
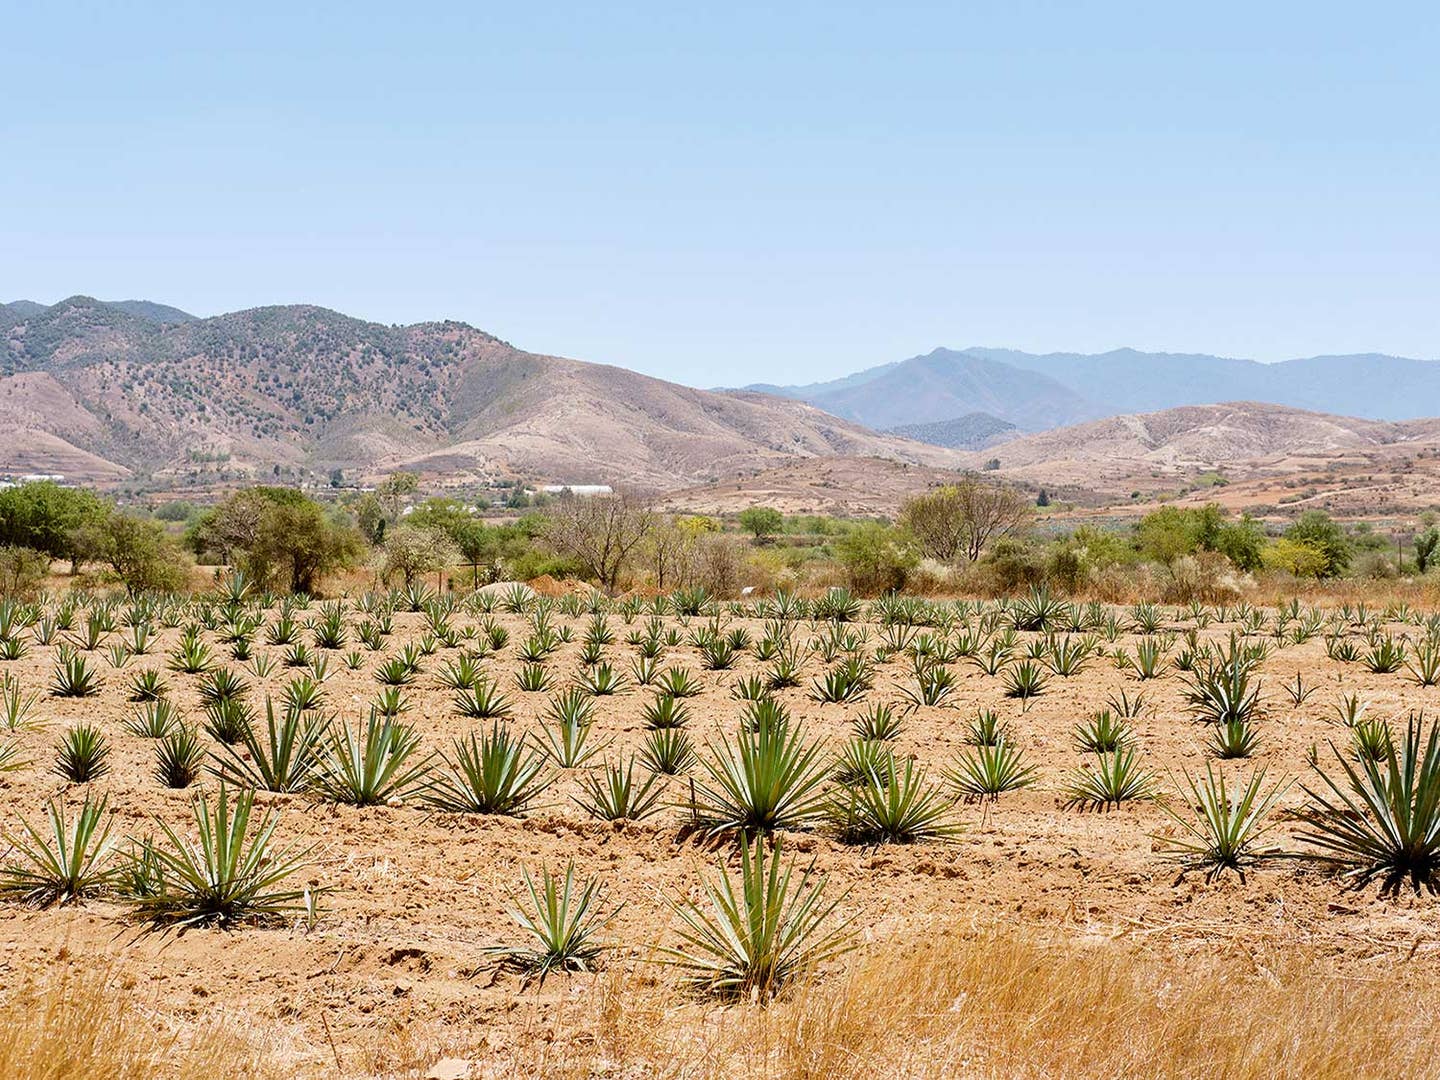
x=1036, y=392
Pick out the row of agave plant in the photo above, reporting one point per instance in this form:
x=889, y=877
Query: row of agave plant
x=1378, y=817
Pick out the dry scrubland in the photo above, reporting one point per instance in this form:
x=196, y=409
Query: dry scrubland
x=1040, y=937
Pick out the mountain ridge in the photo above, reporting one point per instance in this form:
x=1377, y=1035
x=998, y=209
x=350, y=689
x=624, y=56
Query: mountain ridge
x=292, y=390
x=1369, y=385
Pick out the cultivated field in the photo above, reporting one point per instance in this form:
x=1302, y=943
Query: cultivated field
x=1017, y=901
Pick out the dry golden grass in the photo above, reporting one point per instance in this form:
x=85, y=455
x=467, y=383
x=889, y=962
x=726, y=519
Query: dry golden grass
x=85, y=1024
x=1003, y=1004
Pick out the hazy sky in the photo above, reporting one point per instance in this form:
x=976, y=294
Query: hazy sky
x=736, y=193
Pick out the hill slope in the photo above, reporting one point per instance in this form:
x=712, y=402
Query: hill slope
x=1149, y=450
x=302, y=389
x=973, y=431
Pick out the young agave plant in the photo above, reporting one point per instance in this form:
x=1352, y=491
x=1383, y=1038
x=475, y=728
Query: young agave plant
x=562, y=919
x=179, y=757
x=284, y=762
x=71, y=863
x=765, y=779
x=615, y=794
x=1382, y=818
x=668, y=751
x=893, y=807
x=490, y=774
x=82, y=755
x=755, y=940
x=1223, y=828
x=1117, y=777
x=985, y=772
x=234, y=873
x=370, y=765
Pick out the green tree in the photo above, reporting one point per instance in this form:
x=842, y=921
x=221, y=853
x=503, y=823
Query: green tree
x=877, y=558
x=1425, y=544
x=142, y=554
x=1321, y=531
x=761, y=522
x=1299, y=557
x=412, y=551
x=46, y=517
x=281, y=537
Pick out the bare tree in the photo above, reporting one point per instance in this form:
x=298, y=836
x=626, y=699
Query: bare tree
x=962, y=518
x=601, y=532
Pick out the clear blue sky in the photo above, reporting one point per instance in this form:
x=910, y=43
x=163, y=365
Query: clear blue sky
x=736, y=193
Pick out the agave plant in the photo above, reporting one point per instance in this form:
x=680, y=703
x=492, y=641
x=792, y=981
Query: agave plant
x=71, y=863
x=490, y=774
x=1382, y=818
x=934, y=684
x=1025, y=680
x=369, y=765
x=1117, y=777
x=678, y=683
x=16, y=707
x=233, y=873
x=482, y=701
x=985, y=772
x=986, y=729
x=1234, y=738
x=74, y=677
x=763, y=779
x=228, y=721
x=665, y=712
x=893, y=806
x=1222, y=693
x=601, y=680
x=859, y=759
x=284, y=762
x=668, y=751
x=1103, y=733
x=615, y=795
x=179, y=756
x=1223, y=828
x=562, y=919
x=755, y=940
x=82, y=755
x=877, y=723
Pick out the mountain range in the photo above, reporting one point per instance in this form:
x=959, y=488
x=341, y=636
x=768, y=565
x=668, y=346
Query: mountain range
x=1036, y=392
x=106, y=391
x=146, y=394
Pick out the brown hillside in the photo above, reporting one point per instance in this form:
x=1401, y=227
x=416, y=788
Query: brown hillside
x=96, y=392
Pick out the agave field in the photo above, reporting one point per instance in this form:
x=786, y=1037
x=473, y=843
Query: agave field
x=393, y=830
